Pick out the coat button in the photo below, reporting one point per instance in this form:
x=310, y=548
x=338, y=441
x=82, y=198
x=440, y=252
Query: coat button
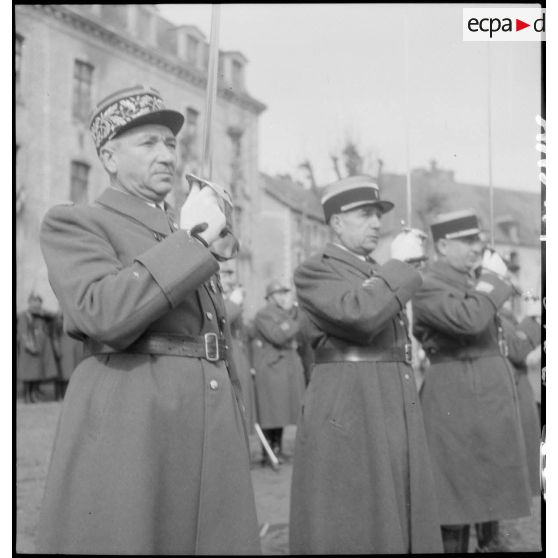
x=209, y=315
x=407, y=376
x=213, y=385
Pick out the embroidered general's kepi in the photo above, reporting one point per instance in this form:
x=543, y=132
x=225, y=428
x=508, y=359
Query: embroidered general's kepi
x=128, y=108
x=456, y=224
x=352, y=192
x=275, y=287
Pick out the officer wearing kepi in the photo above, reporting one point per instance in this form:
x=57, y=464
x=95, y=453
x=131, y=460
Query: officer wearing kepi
x=151, y=452
x=468, y=397
x=362, y=481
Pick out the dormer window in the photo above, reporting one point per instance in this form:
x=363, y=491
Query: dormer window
x=237, y=74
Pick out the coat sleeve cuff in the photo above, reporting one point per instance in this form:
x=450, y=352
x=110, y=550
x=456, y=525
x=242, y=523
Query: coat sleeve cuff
x=179, y=265
x=532, y=329
x=494, y=288
x=402, y=278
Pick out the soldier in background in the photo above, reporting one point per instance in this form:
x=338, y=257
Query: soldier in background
x=279, y=370
x=36, y=356
x=522, y=337
x=234, y=295
x=468, y=396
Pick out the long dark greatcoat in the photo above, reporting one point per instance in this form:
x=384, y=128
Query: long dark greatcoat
x=522, y=338
x=362, y=480
x=36, y=357
x=470, y=404
x=242, y=361
x=69, y=350
x=150, y=455
x=279, y=372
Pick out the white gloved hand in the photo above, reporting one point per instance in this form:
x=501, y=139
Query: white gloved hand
x=237, y=296
x=408, y=245
x=202, y=206
x=493, y=263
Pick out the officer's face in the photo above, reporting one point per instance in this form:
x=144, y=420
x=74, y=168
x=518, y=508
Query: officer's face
x=228, y=280
x=461, y=253
x=283, y=299
x=142, y=161
x=359, y=229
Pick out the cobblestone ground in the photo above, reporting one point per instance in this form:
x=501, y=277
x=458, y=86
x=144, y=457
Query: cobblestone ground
x=35, y=429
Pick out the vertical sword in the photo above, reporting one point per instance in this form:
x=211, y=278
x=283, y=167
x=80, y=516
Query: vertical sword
x=489, y=118
x=210, y=106
x=211, y=93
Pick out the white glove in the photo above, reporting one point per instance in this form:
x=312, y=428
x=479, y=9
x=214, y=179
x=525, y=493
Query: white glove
x=237, y=296
x=408, y=245
x=202, y=206
x=493, y=262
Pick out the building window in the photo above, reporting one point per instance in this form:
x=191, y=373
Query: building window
x=192, y=117
x=18, y=50
x=83, y=79
x=79, y=178
x=143, y=23
x=237, y=74
x=192, y=54
x=237, y=175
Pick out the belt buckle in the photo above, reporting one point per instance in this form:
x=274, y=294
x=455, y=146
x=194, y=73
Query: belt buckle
x=211, y=341
x=408, y=353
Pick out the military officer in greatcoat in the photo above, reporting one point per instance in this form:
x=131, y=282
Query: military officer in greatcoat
x=151, y=453
x=362, y=480
x=36, y=359
x=469, y=398
x=278, y=367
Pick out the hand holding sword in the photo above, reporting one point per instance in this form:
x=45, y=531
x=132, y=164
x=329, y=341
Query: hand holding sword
x=201, y=215
x=409, y=246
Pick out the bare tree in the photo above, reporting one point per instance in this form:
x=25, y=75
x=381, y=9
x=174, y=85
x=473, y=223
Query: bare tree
x=352, y=158
x=335, y=161
x=307, y=166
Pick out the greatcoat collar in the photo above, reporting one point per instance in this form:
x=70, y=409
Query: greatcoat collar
x=338, y=253
x=460, y=279
x=136, y=208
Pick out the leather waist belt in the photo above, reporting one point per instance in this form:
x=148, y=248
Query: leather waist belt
x=469, y=353
x=209, y=346
x=364, y=354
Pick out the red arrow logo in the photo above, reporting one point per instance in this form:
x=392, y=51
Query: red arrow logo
x=519, y=25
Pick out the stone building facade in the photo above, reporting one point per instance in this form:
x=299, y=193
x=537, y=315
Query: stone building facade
x=66, y=58
x=289, y=228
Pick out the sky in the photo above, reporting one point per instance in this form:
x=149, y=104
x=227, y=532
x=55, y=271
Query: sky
x=332, y=72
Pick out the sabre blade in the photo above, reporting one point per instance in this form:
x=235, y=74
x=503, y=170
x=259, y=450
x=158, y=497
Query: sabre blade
x=211, y=92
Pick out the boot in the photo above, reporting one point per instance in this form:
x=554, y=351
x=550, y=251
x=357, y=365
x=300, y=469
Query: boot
x=455, y=538
x=488, y=538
